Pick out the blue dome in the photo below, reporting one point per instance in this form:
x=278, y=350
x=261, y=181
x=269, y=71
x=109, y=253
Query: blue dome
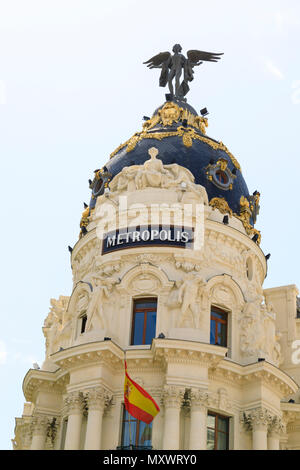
x=178, y=133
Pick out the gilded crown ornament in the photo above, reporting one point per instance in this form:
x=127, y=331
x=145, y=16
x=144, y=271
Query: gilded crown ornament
x=173, y=66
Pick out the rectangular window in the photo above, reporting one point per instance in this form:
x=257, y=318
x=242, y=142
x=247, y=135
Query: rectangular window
x=143, y=321
x=218, y=327
x=135, y=433
x=217, y=432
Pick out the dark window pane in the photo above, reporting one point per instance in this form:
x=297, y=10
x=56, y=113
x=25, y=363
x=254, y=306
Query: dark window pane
x=212, y=332
x=221, y=176
x=222, y=441
x=144, y=321
x=218, y=329
x=83, y=323
x=141, y=304
x=128, y=429
x=125, y=435
x=217, y=432
x=210, y=439
x=145, y=434
x=222, y=424
x=150, y=328
x=222, y=334
x=217, y=315
x=138, y=328
x=211, y=419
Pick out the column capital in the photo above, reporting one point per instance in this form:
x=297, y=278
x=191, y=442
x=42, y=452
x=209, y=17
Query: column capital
x=172, y=396
x=74, y=402
x=198, y=399
x=39, y=424
x=276, y=427
x=97, y=398
x=258, y=418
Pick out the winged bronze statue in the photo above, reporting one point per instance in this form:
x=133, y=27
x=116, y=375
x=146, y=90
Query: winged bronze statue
x=172, y=67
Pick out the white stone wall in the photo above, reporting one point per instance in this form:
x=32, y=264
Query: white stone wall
x=82, y=375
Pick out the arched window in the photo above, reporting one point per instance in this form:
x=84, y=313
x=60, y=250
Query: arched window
x=218, y=327
x=143, y=321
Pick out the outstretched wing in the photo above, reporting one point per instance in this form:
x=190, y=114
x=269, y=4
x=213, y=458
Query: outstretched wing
x=195, y=56
x=158, y=59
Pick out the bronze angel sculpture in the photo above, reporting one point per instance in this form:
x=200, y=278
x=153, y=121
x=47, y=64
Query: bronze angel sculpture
x=173, y=65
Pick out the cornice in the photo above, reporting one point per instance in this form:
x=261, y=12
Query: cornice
x=237, y=236
x=85, y=244
x=98, y=352
x=162, y=351
x=155, y=360
x=291, y=413
x=44, y=380
x=263, y=372
x=187, y=352
x=291, y=288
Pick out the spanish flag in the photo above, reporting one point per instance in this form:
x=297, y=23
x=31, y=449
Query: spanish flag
x=137, y=401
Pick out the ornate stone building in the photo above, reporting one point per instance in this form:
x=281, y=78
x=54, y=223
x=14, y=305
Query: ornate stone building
x=177, y=284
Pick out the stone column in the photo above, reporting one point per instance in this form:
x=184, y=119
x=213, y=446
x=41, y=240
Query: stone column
x=25, y=436
x=97, y=400
x=74, y=403
x=39, y=432
x=198, y=427
x=258, y=421
x=172, y=399
x=275, y=430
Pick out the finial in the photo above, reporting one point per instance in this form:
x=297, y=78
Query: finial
x=153, y=152
x=172, y=67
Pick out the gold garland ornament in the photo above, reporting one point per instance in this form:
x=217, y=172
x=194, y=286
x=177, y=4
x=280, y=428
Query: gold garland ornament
x=222, y=205
x=170, y=113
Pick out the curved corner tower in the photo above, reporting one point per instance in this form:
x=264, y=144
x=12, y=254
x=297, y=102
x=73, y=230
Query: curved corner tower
x=167, y=270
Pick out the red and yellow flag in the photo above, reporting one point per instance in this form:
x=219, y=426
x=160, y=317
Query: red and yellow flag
x=137, y=401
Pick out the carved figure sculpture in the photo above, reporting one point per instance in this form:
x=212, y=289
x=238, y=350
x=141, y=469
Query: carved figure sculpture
x=54, y=322
x=258, y=331
x=172, y=67
x=188, y=298
x=151, y=173
x=252, y=335
x=95, y=311
x=156, y=175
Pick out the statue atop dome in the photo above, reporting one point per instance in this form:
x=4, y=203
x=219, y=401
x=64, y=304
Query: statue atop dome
x=174, y=65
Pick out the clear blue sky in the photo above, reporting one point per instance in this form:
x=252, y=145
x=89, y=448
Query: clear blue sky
x=73, y=87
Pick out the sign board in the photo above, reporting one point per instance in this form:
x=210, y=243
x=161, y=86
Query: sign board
x=180, y=237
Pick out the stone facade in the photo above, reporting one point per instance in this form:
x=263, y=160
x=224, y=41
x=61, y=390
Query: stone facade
x=75, y=400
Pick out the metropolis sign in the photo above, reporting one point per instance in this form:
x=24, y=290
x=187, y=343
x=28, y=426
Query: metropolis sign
x=180, y=237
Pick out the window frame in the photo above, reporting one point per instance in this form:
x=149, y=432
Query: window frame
x=144, y=310
x=217, y=431
x=217, y=321
x=137, y=424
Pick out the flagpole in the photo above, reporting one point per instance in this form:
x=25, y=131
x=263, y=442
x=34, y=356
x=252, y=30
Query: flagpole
x=129, y=421
x=130, y=439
